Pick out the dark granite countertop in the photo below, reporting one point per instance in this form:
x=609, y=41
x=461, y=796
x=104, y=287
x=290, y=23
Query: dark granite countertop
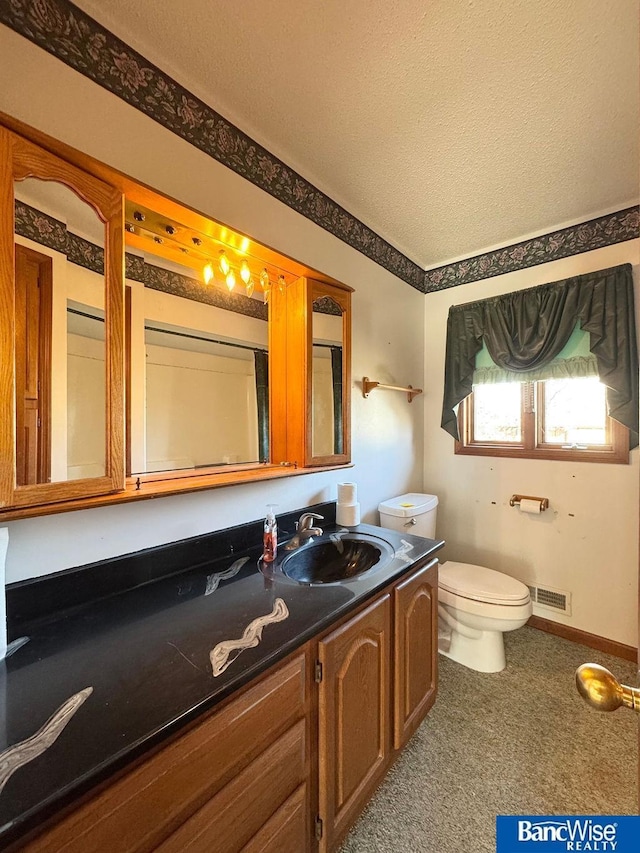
x=145, y=654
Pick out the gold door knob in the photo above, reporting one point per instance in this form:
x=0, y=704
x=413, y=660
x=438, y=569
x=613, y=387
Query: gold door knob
x=602, y=690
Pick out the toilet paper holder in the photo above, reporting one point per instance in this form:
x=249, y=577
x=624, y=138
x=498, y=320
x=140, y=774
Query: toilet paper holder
x=515, y=501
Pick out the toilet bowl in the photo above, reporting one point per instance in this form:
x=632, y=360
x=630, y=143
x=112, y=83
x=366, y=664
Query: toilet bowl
x=476, y=604
x=479, y=605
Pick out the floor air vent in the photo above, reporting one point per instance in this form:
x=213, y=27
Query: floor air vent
x=550, y=599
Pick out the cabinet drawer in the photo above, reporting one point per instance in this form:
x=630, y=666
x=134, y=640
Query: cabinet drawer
x=287, y=831
x=237, y=812
x=140, y=810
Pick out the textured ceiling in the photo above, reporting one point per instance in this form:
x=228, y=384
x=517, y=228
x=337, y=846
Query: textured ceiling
x=447, y=126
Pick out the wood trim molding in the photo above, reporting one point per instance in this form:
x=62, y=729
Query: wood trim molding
x=593, y=641
x=171, y=484
x=616, y=453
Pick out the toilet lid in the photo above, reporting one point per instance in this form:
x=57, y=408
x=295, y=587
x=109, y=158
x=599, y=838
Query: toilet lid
x=481, y=584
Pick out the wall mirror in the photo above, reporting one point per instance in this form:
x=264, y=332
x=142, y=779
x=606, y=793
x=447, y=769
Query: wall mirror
x=327, y=432
x=237, y=357
x=64, y=286
x=318, y=371
x=198, y=361
x=60, y=341
x=328, y=373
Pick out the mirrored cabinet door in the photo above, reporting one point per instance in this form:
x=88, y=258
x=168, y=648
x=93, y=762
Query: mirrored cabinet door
x=328, y=374
x=317, y=379
x=327, y=355
x=61, y=292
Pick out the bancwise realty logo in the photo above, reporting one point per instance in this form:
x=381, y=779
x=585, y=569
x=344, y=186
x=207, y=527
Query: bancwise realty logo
x=536, y=833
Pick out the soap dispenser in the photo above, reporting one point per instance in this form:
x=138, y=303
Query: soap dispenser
x=270, y=539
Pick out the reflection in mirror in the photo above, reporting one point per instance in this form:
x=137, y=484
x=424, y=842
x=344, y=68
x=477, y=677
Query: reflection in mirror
x=326, y=385
x=60, y=342
x=199, y=388
x=85, y=390
x=201, y=400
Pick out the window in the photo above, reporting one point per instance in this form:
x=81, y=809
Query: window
x=551, y=419
x=522, y=371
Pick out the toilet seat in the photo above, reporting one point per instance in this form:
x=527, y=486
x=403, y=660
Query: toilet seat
x=478, y=583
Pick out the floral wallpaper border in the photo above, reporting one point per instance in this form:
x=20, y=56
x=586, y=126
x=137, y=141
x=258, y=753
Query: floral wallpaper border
x=75, y=38
x=82, y=43
x=595, y=234
x=50, y=232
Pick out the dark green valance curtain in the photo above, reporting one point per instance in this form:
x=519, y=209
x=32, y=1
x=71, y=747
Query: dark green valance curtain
x=527, y=329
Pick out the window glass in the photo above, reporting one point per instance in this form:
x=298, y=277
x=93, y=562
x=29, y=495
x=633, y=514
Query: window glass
x=497, y=412
x=575, y=412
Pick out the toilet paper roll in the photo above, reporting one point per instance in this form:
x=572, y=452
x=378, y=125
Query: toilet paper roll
x=348, y=515
x=347, y=493
x=533, y=507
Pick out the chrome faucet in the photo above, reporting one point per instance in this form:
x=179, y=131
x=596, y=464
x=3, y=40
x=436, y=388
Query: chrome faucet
x=304, y=530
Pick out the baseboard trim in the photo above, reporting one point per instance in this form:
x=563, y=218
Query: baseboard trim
x=601, y=644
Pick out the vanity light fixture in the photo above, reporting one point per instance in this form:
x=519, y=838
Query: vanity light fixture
x=170, y=229
x=196, y=241
x=250, y=287
x=225, y=266
x=231, y=280
x=139, y=216
x=245, y=272
x=265, y=284
x=282, y=283
x=207, y=273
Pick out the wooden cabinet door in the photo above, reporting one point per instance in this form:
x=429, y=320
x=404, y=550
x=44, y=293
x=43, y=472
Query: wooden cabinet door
x=415, y=650
x=354, y=717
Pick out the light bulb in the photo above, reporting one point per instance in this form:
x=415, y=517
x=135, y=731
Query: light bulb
x=231, y=280
x=282, y=283
x=245, y=272
x=264, y=280
x=207, y=273
x=250, y=286
x=224, y=262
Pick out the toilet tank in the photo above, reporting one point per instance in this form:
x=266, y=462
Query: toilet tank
x=412, y=513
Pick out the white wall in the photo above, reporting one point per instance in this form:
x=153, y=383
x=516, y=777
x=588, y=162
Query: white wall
x=86, y=406
x=322, y=417
x=587, y=543
x=201, y=409
x=387, y=327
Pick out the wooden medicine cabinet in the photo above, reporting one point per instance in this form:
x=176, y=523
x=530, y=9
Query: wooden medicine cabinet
x=106, y=284
x=318, y=372
x=61, y=383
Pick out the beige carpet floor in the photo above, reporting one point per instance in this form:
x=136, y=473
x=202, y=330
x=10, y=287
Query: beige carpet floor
x=517, y=742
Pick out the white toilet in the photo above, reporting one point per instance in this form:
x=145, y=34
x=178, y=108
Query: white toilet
x=477, y=604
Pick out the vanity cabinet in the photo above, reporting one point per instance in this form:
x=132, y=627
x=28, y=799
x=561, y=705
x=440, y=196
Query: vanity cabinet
x=415, y=601
x=238, y=781
x=378, y=682
x=289, y=764
x=354, y=743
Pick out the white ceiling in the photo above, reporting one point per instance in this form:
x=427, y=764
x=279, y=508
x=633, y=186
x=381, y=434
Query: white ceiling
x=448, y=126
